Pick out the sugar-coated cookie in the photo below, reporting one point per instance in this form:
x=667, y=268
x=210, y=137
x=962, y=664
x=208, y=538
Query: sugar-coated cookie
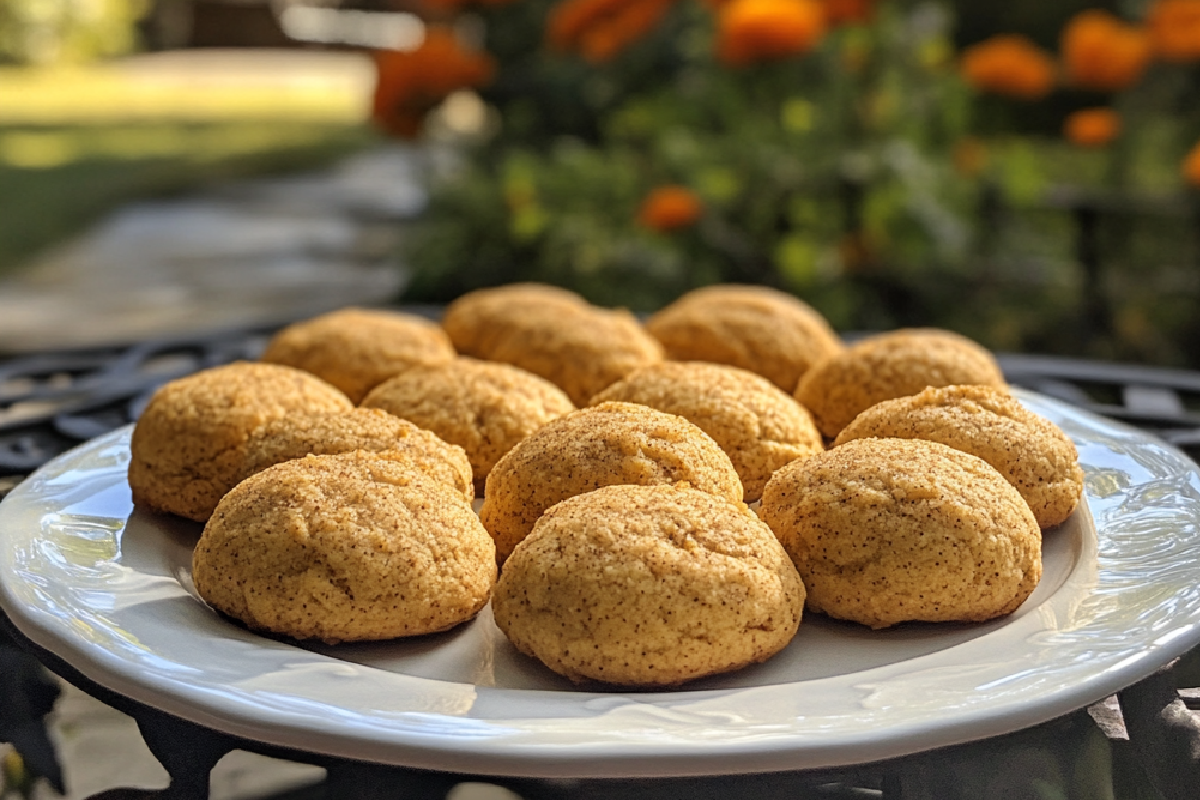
x=372, y=429
x=885, y=531
x=475, y=320
x=188, y=446
x=581, y=352
x=344, y=548
x=1031, y=452
x=758, y=425
x=613, y=443
x=356, y=349
x=889, y=365
x=483, y=407
x=648, y=586
x=752, y=327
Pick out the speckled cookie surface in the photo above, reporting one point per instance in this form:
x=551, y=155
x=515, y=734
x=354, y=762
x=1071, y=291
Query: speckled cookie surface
x=885, y=531
x=648, y=586
x=752, y=327
x=1031, y=452
x=475, y=320
x=613, y=443
x=483, y=407
x=356, y=349
x=581, y=352
x=188, y=445
x=758, y=425
x=344, y=548
x=891, y=365
x=371, y=429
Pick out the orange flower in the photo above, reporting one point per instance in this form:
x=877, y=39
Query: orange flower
x=839, y=12
x=1102, y=52
x=669, y=208
x=1009, y=64
x=600, y=29
x=1092, y=127
x=569, y=19
x=1191, y=166
x=409, y=84
x=757, y=30
x=1175, y=29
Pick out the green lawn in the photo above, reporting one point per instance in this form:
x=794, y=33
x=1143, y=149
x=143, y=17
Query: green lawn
x=77, y=141
x=56, y=179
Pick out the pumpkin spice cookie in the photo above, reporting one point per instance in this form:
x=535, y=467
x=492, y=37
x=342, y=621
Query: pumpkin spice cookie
x=885, y=531
x=613, y=443
x=890, y=365
x=188, y=445
x=474, y=321
x=752, y=327
x=1031, y=452
x=758, y=425
x=485, y=408
x=581, y=352
x=356, y=349
x=648, y=586
x=372, y=429
x=344, y=548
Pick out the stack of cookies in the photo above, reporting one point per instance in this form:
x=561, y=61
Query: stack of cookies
x=897, y=479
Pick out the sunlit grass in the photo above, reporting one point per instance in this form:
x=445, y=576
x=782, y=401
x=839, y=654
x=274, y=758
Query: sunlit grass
x=197, y=86
x=75, y=143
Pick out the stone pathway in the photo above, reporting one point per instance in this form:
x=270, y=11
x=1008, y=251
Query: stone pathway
x=248, y=253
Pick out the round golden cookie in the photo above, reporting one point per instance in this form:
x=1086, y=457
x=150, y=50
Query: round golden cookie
x=889, y=365
x=581, y=352
x=613, y=443
x=344, y=548
x=474, y=320
x=885, y=531
x=371, y=429
x=484, y=408
x=756, y=423
x=189, y=443
x=1031, y=452
x=753, y=327
x=648, y=586
x=356, y=349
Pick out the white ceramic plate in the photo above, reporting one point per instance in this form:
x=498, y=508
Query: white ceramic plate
x=108, y=589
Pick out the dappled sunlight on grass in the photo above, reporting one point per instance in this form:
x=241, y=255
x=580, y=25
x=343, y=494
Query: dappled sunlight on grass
x=197, y=85
x=46, y=147
x=76, y=142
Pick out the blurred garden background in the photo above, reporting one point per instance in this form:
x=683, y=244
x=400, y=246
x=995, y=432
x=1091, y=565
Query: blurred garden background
x=1024, y=172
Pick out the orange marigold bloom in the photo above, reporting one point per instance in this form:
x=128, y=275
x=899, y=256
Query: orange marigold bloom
x=1092, y=127
x=1191, y=166
x=1009, y=64
x=839, y=12
x=757, y=30
x=669, y=208
x=1175, y=29
x=1102, y=52
x=409, y=84
x=600, y=29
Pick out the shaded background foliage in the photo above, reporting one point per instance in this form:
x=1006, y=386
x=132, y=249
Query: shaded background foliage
x=863, y=174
